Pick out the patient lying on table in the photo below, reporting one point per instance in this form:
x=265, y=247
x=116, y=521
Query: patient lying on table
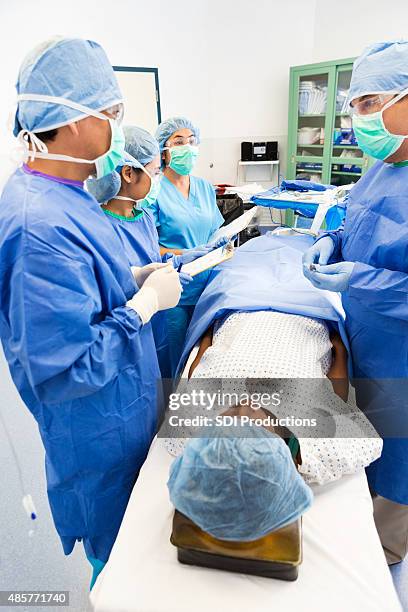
x=268, y=344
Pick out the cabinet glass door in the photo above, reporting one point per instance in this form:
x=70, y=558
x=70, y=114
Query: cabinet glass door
x=347, y=160
x=313, y=92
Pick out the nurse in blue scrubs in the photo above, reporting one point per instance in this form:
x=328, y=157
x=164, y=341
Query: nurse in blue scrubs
x=186, y=216
x=125, y=196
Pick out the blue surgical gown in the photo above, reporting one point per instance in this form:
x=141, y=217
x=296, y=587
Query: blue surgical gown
x=82, y=361
x=140, y=241
x=375, y=236
x=187, y=223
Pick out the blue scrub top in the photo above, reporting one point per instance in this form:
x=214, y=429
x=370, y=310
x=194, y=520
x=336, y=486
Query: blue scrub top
x=138, y=236
x=185, y=223
x=140, y=242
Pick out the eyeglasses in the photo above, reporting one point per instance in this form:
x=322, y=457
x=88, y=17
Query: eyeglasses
x=371, y=104
x=155, y=176
x=154, y=170
x=178, y=141
x=115, y=112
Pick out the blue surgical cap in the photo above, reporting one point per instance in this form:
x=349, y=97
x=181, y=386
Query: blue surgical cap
x=236, y=488
x=71, y=68
x=140, y=144
x=168, y=127
x=381, y=68
x=108, y=187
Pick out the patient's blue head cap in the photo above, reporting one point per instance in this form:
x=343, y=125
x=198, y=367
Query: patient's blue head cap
x=238, y=488
x=381, y=68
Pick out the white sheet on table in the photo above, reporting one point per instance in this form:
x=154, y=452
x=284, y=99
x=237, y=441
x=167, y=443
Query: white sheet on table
x=343, y=568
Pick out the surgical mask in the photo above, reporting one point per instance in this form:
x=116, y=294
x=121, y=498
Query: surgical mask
x=372, y=135
x=104, y=164
x=153, y=193
x=182, y=158
x=150, y=197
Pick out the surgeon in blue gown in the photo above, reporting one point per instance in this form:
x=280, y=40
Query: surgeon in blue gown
x=186, y=215
x=74, y=323
x=367, y=261
x=126, y=196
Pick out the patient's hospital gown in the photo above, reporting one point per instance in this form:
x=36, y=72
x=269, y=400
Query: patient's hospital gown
x=269, y=345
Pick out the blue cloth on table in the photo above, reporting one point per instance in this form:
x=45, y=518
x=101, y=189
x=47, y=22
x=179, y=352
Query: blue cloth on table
x=265, y=274
x=334, y=216
x=302, y=185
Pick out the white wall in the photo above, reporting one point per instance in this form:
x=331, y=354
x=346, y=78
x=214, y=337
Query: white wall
x=249, y=74
x=344, y=29
x=224, y=63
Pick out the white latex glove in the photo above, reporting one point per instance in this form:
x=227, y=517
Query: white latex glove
x=141, y=273
x=161, y=290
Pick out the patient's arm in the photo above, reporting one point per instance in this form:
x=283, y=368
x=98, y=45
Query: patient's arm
x=205, y=343
x=338, y=373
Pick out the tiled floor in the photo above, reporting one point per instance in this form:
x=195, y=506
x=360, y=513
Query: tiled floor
x=400, y=577
x=37, y=562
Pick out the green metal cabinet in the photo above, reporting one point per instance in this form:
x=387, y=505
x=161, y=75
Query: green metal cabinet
x=321, y=159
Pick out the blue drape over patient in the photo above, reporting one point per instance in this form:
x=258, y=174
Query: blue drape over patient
x=264, y=274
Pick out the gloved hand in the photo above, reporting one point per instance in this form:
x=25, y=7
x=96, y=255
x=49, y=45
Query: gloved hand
x=335, y=277
x=141, y=273
x=320, y=252
x=222, y=241
x=185, y=279
x=190, y=255
x=161, y=290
